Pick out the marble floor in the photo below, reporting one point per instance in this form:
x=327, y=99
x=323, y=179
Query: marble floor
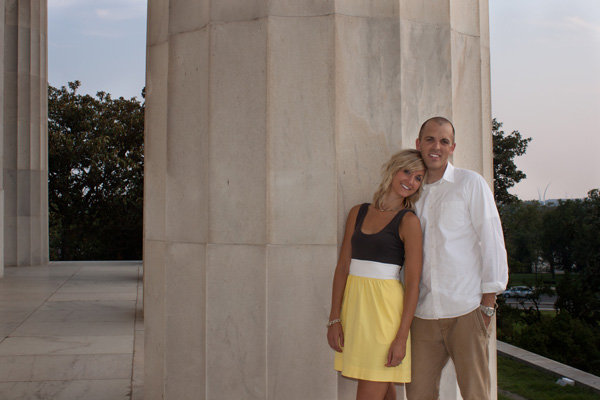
x=72, y=331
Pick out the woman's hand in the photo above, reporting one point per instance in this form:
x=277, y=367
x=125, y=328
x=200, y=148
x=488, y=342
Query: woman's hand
x=335, y=337
x=335, y=333
x=396, y=353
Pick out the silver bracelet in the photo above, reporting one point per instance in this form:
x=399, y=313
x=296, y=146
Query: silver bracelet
x=333, y=322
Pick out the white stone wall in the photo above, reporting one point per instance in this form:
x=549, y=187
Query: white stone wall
x=266, y=121
x=24, y=132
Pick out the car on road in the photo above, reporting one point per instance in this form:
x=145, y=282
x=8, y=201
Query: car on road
x=517, y=291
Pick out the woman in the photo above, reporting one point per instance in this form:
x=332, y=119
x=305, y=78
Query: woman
x=371, y=311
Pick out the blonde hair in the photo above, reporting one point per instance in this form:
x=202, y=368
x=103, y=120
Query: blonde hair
x=409, y=159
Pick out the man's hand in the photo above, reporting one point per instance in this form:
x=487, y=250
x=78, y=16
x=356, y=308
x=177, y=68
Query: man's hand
x=488, y=300
x=487, y=320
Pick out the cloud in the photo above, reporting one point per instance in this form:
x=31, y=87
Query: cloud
x=572, y=23
x=568, y=28
x=132, y=9
x=580, y=23
x=104, y=10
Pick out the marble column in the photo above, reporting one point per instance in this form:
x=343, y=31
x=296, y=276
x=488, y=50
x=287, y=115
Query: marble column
x=446, y=62
x=24, y=132
x=266, y=121
x=1, y=140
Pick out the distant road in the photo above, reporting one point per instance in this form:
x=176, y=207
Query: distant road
x=546, y=302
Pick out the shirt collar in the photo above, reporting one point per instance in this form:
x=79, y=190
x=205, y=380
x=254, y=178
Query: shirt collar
x=449, y=173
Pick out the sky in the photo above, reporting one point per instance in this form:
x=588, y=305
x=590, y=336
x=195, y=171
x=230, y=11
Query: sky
x=545, y=76
x=101, y=43
x=545, y=68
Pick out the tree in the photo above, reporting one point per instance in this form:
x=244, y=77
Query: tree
x=560, y=225
x=522, y=226
x=506, y=174
x=586, y=248
x=95, y=175
x=578, y=293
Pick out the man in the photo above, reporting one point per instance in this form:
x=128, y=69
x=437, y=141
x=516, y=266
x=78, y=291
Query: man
x=464, y=267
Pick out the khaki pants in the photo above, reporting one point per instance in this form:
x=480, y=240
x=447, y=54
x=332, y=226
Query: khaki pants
x=464, y=339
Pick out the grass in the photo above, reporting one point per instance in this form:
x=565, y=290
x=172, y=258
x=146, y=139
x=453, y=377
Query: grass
x=533, y=384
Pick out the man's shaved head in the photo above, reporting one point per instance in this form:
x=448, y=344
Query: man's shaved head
x=439, y=121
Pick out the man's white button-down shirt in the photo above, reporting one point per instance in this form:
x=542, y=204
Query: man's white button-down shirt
x=463, y=245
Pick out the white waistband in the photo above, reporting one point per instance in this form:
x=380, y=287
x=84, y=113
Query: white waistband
x=374, y=269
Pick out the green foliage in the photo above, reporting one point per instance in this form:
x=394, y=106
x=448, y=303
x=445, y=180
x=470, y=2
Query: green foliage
x=562, y=337
x=579, y=297
x=576, y=341
x=95, y=177
x=571, y=233
x=560, y=225
x=506, y=174
x=532, y=279
x=565, y=236
x=522, y=225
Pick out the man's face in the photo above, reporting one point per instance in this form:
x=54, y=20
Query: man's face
x=436, y=144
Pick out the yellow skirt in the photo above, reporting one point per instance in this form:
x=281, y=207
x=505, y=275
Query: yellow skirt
x=371, y=313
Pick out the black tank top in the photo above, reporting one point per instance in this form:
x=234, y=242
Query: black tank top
x=384, y=246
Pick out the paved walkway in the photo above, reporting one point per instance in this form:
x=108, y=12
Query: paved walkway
x=72, y=331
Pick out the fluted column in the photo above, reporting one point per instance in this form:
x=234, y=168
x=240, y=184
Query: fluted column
x=2, y=9
x=445, y=59
x=445, y=64
x=266, y=122
x=25, y=151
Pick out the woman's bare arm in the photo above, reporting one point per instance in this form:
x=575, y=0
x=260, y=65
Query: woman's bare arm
x=412, y=236
x=335, y=334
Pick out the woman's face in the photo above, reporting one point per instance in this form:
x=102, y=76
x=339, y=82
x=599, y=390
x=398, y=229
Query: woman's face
x=405, y=183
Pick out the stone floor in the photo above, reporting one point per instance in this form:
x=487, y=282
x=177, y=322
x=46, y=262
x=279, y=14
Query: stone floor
x=75, y=330
x=72, y=331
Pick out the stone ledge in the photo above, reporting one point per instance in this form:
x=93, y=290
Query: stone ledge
x=581, y=378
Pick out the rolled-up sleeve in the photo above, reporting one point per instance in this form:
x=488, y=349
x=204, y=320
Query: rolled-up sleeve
x=487, y=225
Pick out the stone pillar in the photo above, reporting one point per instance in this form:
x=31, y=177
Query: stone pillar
x=445, y=64
x=25, y=151
x=445, y=59
x=1, y=140
x=266, y=121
